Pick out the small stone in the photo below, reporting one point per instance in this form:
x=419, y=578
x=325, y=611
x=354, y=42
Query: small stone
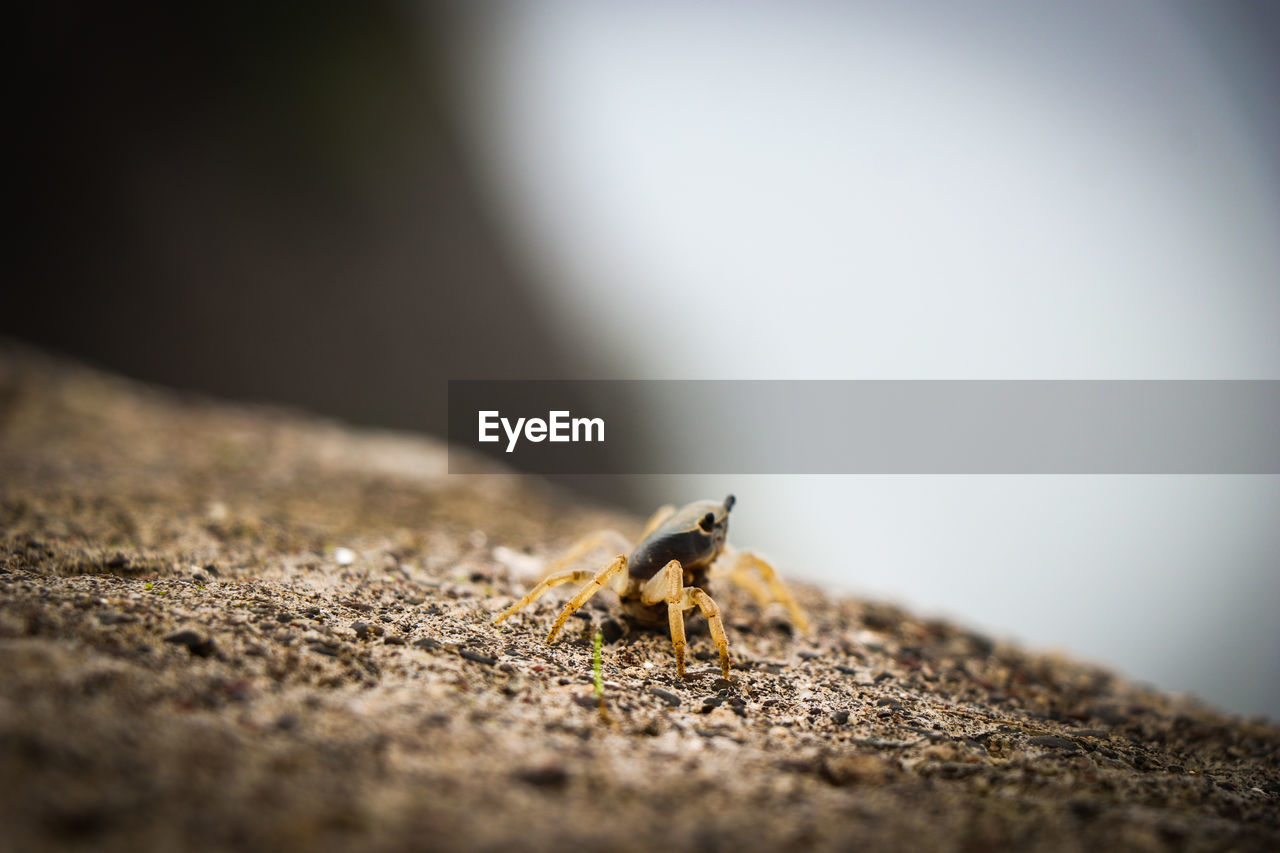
x=1084, y=809
x=955, y=769
x=112, y=617
x=477, y=657
x=550, y=775
x=840, y=717
x=723, y=718
x=612, y=630
x=782, y=626
x=328, y=649
x=1054, y=742
x=344, y=556
x=587, y=700
x=198, y=645
x=364, y=630
x=666, y=696
x=393, y=640
x=856, y=769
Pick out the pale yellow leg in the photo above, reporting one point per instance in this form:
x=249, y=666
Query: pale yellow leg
x=545, y=584
x=740, y=565
x=668, y=585
x=605, y=575
x=711, y=612
x=751, y=584
x=655, y=520
x=615, y=540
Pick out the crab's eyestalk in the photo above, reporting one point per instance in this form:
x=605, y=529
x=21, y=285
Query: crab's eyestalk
x=729, y=501
x=708, y=522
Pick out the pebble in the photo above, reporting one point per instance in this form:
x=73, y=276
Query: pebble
x=856, y=769
x=587, y=700
x=323, y=648
x=1083, y=808
x=197, y=644
x=344, y=556
x=955, y=769
x=612, y=630
x=477, y=657
x=364, y=630
x=521, y=564
x=548, y=775
x=666, y=696
x=1054, y=742
x=723, y=717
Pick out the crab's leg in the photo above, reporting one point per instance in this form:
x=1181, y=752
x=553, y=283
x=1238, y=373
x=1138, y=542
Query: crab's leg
x=668, y=585
x=604, y=576
x=742, y=562
x=586, y=545
x=711, y=611
x=655, y=520
x=545, y=584
x=750, y=583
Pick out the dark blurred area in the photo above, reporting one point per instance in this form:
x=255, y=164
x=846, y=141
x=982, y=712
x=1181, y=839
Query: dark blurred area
x=263, y=201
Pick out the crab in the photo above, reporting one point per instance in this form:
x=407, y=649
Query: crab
x=666, y=574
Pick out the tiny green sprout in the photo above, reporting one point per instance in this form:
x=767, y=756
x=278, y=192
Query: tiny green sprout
x=148, y=585
x=597, y=643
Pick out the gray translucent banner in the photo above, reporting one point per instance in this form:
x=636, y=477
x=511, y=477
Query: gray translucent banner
x=867, y=427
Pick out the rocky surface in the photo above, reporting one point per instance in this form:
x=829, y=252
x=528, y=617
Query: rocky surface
x=223, y=626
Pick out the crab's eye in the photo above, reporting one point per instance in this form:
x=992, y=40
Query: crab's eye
x=708, y=522
x=729, y=502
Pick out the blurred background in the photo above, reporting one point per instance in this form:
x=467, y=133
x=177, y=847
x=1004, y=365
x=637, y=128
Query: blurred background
x=341, y=206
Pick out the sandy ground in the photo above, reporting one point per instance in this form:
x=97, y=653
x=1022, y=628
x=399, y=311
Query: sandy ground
x=223, y=626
